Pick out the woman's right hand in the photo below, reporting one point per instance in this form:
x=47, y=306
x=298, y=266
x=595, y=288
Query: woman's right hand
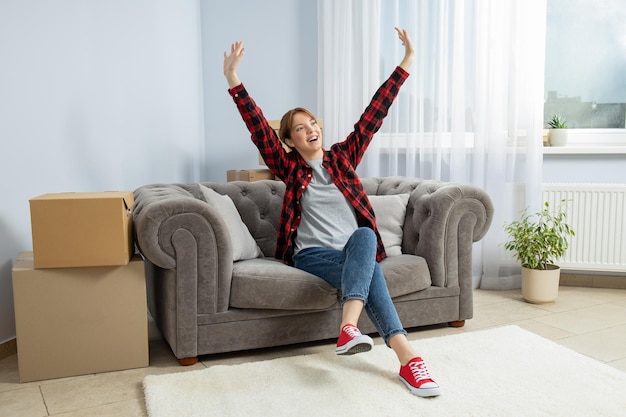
x=231, y=62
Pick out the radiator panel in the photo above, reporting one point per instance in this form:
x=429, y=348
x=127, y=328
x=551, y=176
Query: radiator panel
x=596, y=213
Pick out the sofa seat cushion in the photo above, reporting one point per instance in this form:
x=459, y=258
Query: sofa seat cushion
x=405, y=274
x=266, y=283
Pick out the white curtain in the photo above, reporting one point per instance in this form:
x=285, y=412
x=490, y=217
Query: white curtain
x=471, y=111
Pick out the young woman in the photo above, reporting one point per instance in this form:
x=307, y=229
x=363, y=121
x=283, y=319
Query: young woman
x=327, y=224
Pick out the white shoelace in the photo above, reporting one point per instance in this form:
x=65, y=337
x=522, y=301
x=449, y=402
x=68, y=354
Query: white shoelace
x=419, y=371
x=352, y=331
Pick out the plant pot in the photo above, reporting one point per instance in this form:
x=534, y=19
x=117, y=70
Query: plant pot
x=541, y=285
x=546, y=137
x=558, y=137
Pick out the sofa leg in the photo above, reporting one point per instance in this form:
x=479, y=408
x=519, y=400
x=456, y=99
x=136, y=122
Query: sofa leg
x=188, y=361
x=457, y=323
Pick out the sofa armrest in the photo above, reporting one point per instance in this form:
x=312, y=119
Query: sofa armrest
x=443, y=220
x=175, y=230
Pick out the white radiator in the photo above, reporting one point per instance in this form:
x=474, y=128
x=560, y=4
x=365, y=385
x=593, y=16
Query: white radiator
x=597, y=214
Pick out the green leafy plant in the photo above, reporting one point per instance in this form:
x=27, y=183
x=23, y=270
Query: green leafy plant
x=540, y=238
x=557, y=122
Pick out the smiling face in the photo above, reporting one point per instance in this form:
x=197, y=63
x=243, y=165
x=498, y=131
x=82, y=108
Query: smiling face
x=302, y=133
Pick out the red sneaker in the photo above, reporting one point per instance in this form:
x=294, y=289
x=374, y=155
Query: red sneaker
x=417, y=378
x=351, y=341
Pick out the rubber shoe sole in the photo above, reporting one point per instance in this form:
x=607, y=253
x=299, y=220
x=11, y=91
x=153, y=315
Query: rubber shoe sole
x=422, y=392
x=359, y=344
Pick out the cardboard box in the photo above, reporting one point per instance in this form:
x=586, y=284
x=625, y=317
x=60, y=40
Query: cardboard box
x=82, y=229
x=249, y=175
x=76, y=321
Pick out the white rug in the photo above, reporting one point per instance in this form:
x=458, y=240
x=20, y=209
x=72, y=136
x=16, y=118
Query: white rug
x=506, y=371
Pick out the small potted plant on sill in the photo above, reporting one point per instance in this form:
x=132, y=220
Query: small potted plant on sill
x=538, y=240
x=558, y=131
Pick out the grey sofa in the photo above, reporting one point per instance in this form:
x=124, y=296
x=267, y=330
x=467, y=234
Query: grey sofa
x=204, y=303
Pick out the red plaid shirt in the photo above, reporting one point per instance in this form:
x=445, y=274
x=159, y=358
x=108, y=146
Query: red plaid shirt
x=340, y=161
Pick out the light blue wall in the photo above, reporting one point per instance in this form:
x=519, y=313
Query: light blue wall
x=115, y=94
x=94, y=96
x=585, y=168
x=279, y=70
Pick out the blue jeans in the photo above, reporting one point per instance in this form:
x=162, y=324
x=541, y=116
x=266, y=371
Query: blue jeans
x=356, y=273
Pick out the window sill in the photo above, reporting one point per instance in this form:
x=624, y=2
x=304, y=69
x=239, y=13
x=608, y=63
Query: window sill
x=591, y=142
x=580, y=142
x=584, y=150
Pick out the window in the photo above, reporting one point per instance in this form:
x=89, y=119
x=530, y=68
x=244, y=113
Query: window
x=585, y=78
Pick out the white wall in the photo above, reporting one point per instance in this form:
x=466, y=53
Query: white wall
x=114, y=94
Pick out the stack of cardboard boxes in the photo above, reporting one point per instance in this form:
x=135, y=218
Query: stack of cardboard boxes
x=80, y=295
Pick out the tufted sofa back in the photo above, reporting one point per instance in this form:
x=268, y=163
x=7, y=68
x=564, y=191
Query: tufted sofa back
x=440, y=219
x=259, y=202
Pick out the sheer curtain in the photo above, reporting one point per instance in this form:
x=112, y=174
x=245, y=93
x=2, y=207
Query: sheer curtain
x=471, y=112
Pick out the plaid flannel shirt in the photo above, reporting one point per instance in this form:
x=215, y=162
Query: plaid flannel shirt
x=340, y=160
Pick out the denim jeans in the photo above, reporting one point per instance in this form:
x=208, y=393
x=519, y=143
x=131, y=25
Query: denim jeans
x=356, y=273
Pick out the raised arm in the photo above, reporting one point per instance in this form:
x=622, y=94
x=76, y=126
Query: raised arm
x=263, y=136
x=357, y=141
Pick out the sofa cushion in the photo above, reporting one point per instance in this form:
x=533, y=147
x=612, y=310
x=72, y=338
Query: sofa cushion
x=244, y=245
x=390, y=211
x=405, y=274
x=267, y=283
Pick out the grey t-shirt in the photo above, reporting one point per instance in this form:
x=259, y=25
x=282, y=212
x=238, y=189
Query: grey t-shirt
x=328, y=219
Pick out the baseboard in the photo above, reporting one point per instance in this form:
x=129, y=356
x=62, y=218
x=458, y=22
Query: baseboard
x=8, y=348
x=595, y=281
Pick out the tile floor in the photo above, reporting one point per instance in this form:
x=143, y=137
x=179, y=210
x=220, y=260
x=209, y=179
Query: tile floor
x=589, y=320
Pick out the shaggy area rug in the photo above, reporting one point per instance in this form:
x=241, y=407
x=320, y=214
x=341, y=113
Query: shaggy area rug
x=505, y=371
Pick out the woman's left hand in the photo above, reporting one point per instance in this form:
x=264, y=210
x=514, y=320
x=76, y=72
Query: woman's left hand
x=409, y=52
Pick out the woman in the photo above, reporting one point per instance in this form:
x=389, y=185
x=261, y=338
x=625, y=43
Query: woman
x=327, y=224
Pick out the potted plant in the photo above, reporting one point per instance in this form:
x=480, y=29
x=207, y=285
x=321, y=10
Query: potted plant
x=558, y=131
x=537, y=241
